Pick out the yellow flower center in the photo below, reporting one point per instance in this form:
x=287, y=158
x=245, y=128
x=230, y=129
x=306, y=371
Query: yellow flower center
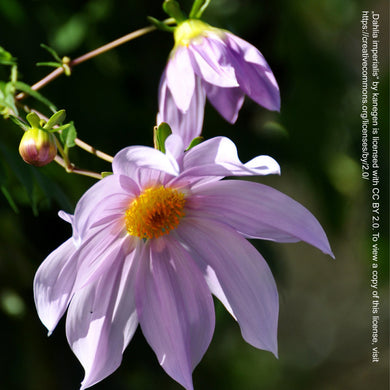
x=155, y=212
x=189, y=30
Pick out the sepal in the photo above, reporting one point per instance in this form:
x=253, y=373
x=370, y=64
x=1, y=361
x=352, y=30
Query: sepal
x=172, y=8
x=161, y=133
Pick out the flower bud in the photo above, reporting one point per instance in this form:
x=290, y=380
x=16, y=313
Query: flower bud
x=38, y=147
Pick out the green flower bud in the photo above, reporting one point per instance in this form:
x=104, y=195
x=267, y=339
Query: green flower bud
x=38, y=147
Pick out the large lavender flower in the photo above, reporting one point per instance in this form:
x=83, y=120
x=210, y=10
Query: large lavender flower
x=151, y=244
x=213, y=62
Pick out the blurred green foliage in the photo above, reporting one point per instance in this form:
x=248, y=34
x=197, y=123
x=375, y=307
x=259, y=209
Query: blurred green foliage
x=313, y=48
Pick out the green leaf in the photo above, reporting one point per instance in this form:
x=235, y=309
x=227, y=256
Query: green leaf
x=5, y=191
x=68, y=136
x=55, y=119
x=59, y=128
x=54, y=64
x=7, y=99
x=6, y=57
x=34, y=120
x=18, y=122
x=35, y=94
x=22, y=171
x=9, y=198
x=52, y=52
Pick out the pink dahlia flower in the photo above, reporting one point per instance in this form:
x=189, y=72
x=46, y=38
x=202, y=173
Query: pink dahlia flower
x=207, y=61
x=151, y=244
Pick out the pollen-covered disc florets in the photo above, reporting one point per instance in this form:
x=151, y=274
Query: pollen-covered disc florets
x=155, y=212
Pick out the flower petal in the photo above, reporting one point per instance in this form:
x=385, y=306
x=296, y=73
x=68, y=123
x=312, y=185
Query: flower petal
x=259, y=212
x=53, y=284
x=129, y=161
x=243, y=275
x=89, y=208
x=70, y=219
x=208, y=57
x=97, y=252
x=218, y=157
x=227, y=101
x=254, y=75
x=175, y=308
x=188, y=125
x=174, y=147
x=102, y=319
x=180, y=78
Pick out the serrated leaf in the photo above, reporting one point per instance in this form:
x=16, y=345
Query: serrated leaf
x=34, y=120
x=55, y=119
x=68, y=136
x=35, y=94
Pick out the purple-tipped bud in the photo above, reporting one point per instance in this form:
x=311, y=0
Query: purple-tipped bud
x=38, y=147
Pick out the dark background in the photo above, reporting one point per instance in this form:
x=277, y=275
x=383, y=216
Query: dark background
x=314, y=49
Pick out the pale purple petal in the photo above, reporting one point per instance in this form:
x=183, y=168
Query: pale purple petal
x=87, y=212
x=218, y=157
x=98, y=251
x=187, y=125
x=209, y=60
x=215, y=288
x=259, y=212
x=243, y=275
x=130, y=160
x=254, y=75
x=174, y=147
x=180, y=78
x=247, y=51
x=66, y=216
x=70, y=218
x=53, y=284
x=102, y=319
x=175, y=308
x=227, y=101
